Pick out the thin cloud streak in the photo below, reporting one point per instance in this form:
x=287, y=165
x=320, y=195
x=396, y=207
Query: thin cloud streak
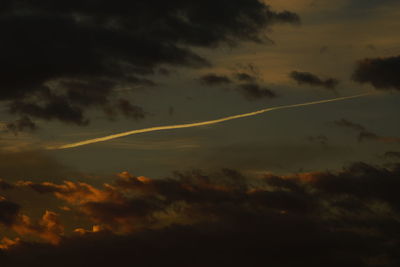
x=198, y=124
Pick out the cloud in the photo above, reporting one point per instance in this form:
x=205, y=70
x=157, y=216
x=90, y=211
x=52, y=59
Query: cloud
x=365, y=134
x=392, y=154
x=47, y=228
x=5, y=185
x=74, y=56
x=256, y=91
x=343, y=218
x=7, y=243
x=245, y=77
x=20, y=125
x=382, y=73
x=8, y=212
x=245, y=81
x=349, y=124
x=313, y=80
x=130, y=110
x=212, y=79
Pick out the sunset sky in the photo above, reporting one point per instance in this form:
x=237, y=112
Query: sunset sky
x=310, y=185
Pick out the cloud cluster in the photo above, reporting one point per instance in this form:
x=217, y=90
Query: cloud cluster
x=47, y=228
x=246, y=81
x=382, y=73
x=346, y=218
x=65, y=58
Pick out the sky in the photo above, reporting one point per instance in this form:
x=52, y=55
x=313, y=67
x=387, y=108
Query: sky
x=310, y=180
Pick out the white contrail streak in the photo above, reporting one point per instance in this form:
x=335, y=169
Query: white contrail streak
x=197, y=124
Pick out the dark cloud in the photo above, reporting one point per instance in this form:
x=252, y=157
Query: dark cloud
x=8, y=212
x=382, y=73
x=129, y=110
x=313, y=80
x=63, y=59
x=256, y=91
x=208, y=245
x=245, y=81
x=212, y=79
x=245, y=77
x=5, y=185
x=344, y=218
x=363, y=181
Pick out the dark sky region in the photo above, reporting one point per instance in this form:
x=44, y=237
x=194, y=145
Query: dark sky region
x=315, y=185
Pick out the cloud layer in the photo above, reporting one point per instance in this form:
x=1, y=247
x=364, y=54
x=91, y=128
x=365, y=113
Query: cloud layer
x=347, y=218
x=70, y=56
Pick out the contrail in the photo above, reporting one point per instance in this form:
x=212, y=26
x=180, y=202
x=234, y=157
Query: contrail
x=197, y=124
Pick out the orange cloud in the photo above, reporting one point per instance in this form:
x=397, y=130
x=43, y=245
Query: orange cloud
x=7, y=243
x=47, y=228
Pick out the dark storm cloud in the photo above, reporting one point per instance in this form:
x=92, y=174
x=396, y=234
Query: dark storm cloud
x=344, y=218
x=313, y=80
x=60, y=59
x=382, y=73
